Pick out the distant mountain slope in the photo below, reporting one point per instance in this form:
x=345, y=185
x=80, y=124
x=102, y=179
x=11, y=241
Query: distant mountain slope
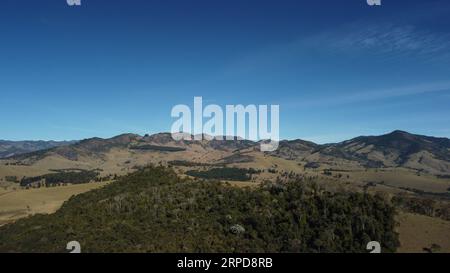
x=218, y=144
x=295, y=149
x=11, y=148
x=91, y=147
x=396, y=149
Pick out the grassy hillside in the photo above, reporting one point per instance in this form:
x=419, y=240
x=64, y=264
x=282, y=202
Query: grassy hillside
x=153, y=210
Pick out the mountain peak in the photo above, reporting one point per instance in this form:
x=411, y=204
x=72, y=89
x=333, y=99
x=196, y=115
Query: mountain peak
x=400, y=133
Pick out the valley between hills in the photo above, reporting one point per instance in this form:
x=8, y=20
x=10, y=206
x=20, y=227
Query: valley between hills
x=411, y=172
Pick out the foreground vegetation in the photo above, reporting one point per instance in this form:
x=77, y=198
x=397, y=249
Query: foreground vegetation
x=153, y=210
x=423, y=205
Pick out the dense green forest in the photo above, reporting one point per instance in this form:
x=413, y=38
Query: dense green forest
x=149, y=147
x=424, y=205
x=153, y=210
x=236, y=174
x=73, y=177
x=186, y=163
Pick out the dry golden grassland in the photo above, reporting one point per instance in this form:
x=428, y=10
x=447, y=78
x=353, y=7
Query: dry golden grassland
x=418, y=232
x=15, y=204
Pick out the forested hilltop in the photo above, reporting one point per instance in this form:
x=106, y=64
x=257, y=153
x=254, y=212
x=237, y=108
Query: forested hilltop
x=153, y=210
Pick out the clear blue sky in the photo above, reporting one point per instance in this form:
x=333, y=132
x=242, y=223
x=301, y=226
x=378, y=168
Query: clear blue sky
x=338, y=69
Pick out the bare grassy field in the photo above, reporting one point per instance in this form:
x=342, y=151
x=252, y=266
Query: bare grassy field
x=418, y=232
x=403, y=178
x=21, y=203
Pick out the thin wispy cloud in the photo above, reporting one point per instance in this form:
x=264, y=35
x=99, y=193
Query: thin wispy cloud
x=398, y=40
x=358, y=39
x=371, y=95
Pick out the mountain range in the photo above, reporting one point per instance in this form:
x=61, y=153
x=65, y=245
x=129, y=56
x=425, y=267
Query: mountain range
x=10, y=148
x=395, y=149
